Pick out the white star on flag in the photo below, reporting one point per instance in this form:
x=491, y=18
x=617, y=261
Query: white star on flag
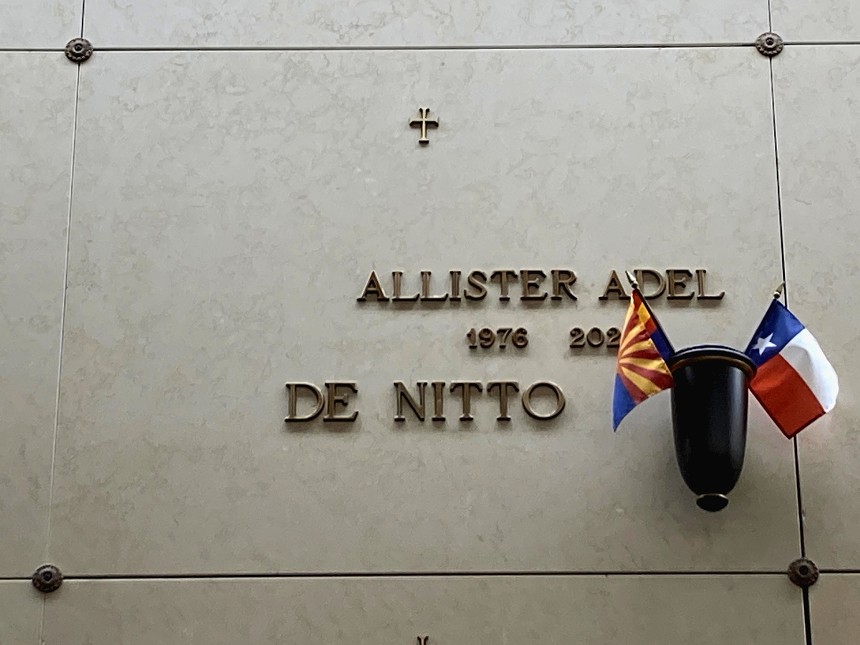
x=794, y=381
x=763, y=343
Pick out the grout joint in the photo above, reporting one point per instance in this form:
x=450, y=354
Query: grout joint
x=803, y=572
x=47, y=578
x=769, y=44
x=79, y=50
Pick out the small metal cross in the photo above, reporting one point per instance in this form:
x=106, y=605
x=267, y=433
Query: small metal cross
x=423, y=122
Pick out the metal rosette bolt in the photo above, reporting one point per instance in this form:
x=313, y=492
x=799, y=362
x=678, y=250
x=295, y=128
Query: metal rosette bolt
x=79, y=50
x=47, y=578
x=769, y=44
x=803, y=572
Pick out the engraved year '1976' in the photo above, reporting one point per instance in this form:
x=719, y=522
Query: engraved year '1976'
x=487, y=338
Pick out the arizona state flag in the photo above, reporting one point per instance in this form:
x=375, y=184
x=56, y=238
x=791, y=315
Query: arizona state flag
x=642, y=353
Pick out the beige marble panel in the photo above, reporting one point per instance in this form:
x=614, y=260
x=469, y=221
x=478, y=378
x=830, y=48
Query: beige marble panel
x=378, y=23
x=219, y=250
x=451, y=611
x=36, y=122
x=818, y=132
x=46, y=23
x=20, y=613
x=827, y=20
x=834, y=600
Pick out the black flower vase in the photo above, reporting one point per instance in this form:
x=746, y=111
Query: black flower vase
x=709, y=418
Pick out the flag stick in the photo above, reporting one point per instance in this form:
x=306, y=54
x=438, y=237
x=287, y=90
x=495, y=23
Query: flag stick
x=635, y=286
x=632, y=280
x=777, y=293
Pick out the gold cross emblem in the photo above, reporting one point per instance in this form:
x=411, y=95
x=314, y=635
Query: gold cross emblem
x=424, y=122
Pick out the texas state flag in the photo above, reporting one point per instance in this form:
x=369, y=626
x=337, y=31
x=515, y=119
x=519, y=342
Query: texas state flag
x=795, y=382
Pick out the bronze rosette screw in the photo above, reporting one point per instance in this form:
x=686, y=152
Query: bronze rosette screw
x=79, y=50
x=47, y=578
x=803, y=572
x=769, y=44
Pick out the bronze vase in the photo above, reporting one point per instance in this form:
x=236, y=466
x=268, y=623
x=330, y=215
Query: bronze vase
x=709, y=417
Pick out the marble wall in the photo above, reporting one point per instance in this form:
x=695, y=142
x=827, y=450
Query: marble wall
x=188, y=219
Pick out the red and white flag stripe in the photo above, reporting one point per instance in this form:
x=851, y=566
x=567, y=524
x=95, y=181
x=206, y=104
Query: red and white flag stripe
x=796, y=385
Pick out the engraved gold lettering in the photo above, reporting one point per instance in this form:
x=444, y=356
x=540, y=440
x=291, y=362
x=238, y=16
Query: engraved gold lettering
x=438, y=400
x=373, y=288
x=465, y=388
x=455, y=286
x=557, y=393
x=402, y=394
x=503, y=276
x=502, y=387
x=520, y=337
x=292, y=401
x=614, y=287
x=531, y=279
x=336, y=398
x=425, y=289
x=477, y=280
x=595, y=337
x=397, y=296
x=701, y=274
x=677, y=279
x=642, y=277
x=613, y=338
x=486, y=337
x=562, y=280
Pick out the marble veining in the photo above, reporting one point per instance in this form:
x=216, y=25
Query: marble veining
x=829, y=20
x=451, y=611
x=46, y=23
x=36, y=120
x=218, y=253
x=833, y=600
x=20, y=613
x=820, y=197
x=386, y=23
